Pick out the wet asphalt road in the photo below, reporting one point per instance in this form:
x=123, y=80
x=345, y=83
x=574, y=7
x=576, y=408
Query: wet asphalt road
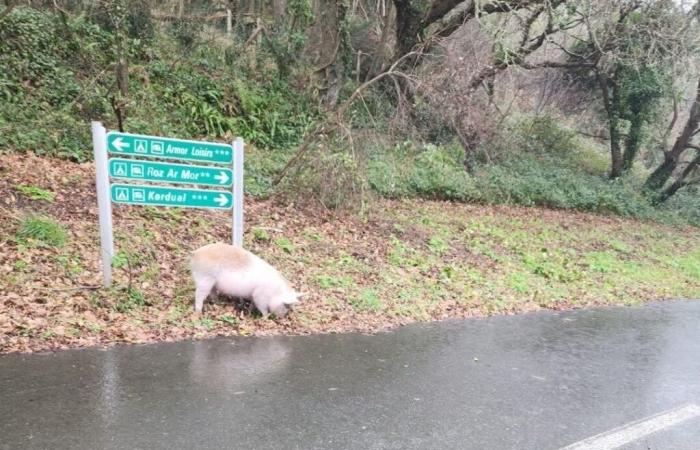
x=535, y=381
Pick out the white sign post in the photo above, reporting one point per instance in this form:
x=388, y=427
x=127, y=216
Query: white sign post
x=237, y=230
x=99, y=147
x=141, y=170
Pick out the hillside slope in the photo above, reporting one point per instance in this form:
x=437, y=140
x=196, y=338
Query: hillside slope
x=405, y=261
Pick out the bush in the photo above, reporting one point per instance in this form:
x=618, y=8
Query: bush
x=57, y=74
x=272, y=116
x=431, y=172
x=438, y=173
x=683, y=206
x=534, y=163
x=531, y=181
x=333, y=178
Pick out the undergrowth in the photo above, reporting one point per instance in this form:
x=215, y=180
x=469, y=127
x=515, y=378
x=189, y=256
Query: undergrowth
x=57, y=74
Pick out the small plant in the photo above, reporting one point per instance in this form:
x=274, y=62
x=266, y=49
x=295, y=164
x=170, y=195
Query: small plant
x=48, y=335
x=20, y=265
x=229, y=319
x=368, y=301
x=285, y=244
x=448, y=272
x=35, y=193
x=437, y=245
x=330, y=281
x=120, y=260
x=260, y=235
x=552, y=266
x=41, y=231
x=70, y=263
x=519, y=282
x=205, y=323
x=602, y=261
x=313, y=235
x=130, y=299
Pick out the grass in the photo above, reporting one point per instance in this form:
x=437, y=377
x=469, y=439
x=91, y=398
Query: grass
x=35, y=193
x=41, y=231
x=128, y=299
x=406, y=261
x=285, y=244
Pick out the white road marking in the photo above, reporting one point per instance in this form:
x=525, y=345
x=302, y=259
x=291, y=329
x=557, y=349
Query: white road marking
x=632, y=431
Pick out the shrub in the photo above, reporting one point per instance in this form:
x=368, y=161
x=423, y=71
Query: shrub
x=438, y=173
x=432, y=172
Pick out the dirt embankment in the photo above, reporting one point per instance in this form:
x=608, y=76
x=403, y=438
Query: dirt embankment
x=406, y=261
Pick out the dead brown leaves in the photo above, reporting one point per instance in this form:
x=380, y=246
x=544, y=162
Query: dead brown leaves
x=49, y=300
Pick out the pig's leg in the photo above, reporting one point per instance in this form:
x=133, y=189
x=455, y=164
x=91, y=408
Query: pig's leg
x=203, y=287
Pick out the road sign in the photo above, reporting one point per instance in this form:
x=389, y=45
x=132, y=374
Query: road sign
x=149, y=171
x=130, y=169
x=168, y=196
x=160, y=147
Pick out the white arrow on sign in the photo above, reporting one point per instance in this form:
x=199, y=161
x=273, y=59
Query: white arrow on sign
x=119, y=144
x=222, y=178
x=221, y=200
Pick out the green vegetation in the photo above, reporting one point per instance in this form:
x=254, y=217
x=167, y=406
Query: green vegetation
x=187, y=79
x=420, y=260
x=56, y=76
x=540, y=163
x=36, y=193
x=41, y=231
x=128, y=299
x=469, y=191
x=285, y=244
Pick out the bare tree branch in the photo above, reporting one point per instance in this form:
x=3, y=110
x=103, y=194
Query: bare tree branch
x=334, y=120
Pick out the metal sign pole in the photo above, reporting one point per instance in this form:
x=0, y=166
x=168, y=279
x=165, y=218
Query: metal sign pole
x=238, y=149
x=99, y=147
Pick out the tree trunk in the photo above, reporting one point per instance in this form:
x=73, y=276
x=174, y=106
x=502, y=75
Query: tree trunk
x=337, y=69
x=679, y=182
x=181, y=9
x=661, y=175
x=611, y=101
x=633, y=142
x=409, y=15
x=379, y=58
x=279, y=9
x=669, y=192
x=614, y=119
x=122, y=74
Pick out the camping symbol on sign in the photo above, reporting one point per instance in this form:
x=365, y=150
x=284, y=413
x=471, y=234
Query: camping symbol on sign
x=119, y=169
x=122, y=194
x=140, y=146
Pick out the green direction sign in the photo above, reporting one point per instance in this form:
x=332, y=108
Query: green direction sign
x=168, y=196
x=160, y=147
x=131, y=169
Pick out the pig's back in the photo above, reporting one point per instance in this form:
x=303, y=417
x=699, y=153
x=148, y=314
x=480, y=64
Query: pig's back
x=242, y=282
x=214, y=258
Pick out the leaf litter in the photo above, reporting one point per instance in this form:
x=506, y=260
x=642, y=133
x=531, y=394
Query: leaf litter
x=406, y=261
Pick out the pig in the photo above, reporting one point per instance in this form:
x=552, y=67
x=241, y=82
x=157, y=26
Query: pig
x=236, y=272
